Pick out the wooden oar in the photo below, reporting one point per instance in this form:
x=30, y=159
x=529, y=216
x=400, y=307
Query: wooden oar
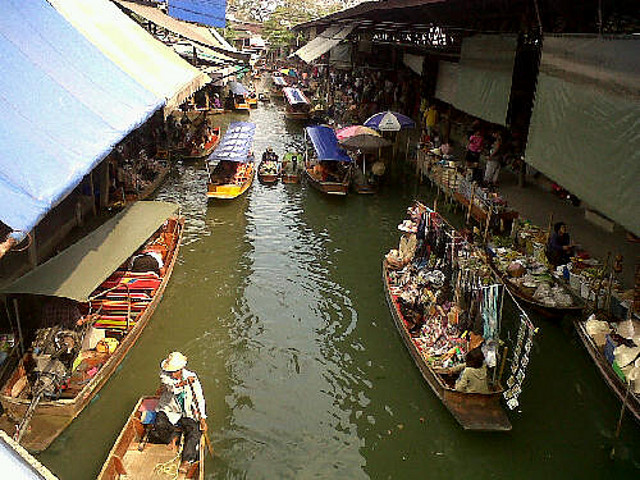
x=624, y=405
x=207, y=440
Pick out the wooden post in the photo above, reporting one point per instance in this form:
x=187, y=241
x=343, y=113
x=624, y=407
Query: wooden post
x=104, y=183
x=33, y=250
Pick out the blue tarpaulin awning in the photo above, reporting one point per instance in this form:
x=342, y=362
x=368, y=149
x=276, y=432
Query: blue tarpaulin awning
x=237, y=88
x=236, y=143
x=279, y=81
x=294, y=96
x=326, y=145
x=209, y=12
x=65, y=106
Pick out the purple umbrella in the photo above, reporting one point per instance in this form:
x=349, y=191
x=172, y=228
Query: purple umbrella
x=389, y=121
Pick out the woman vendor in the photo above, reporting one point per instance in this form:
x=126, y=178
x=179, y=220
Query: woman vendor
x=559, y=248
x=473, y=378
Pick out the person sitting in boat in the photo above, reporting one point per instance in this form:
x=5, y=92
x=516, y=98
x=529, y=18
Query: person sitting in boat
x=270, y=155
x=474, y=378
x=559, y=248
x=181, y=409
x=148, y=261
x=216, y=101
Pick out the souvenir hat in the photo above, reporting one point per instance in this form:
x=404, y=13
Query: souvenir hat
x=174, y=362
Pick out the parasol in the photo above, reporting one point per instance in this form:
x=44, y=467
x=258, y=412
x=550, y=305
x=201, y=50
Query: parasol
x=389, y=121
x=354, y=130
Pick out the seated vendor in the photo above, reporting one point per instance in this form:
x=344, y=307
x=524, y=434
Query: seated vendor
x=147, y=262
x=473, y=378
x=559, y=248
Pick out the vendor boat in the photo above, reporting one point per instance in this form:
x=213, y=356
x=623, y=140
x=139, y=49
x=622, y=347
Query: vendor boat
x=297, y=106
x=133, y=457
x=269, y=171
x=252, y=100
x=233, y=173
x=596, y=338
x=278, y=84
x=239, y=93
x=539, y=289
x=329, y=171
x=204, y=149
x=141, y=190
x=68, y=364
x=434, y=315
x=291, y=165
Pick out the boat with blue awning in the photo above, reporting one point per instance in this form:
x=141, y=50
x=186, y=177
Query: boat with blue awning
x=231, y=165
x=328, y=169
x=239, y=93
x=298, y=106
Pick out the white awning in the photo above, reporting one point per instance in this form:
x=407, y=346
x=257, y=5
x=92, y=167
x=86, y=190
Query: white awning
x=134, y=50
x=324, y=42
x=414, y=62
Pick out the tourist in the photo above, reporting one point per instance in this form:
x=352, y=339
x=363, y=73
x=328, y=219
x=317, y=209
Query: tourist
x=472, y=157
x=495, y=161
x=181, y=405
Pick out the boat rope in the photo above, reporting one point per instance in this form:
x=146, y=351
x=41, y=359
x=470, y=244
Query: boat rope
x=170, y=468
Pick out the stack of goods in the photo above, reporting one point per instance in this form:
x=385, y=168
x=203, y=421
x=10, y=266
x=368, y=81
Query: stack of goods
x=269, y=167
x=481, y=197
x=619, y=342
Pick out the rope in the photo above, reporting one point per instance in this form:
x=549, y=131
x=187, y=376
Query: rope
x=171, y=467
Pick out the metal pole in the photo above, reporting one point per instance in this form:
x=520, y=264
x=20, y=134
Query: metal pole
x=17, y=311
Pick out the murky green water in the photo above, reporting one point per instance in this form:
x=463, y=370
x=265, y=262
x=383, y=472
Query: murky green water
x=277, y=301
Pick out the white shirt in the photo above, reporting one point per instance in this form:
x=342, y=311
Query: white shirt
x=188, y=386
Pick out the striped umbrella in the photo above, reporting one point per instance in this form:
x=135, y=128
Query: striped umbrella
x=389, y=121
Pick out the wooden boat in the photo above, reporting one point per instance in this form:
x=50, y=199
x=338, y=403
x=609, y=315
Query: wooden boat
x=194, y=152
x=269, y=171
x=330, y=170
x=619, y=387
x=123, y=197
x=290, y=171
x=278, y=83
x=473, y=411
x=116, y=304
x=252, y=100
x=132, y=457
x=297, y=105
x=240, y=94
x=233, y=174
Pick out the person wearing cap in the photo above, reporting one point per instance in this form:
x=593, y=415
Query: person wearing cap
x=181, y=408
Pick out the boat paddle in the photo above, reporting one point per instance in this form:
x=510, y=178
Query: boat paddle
x=617, y=435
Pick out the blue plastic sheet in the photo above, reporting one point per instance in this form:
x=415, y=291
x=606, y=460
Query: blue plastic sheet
x=209, y=12
x=326, y=145
x=294, y=96
x=237, y=88
x=65, y=106
x=235, y=144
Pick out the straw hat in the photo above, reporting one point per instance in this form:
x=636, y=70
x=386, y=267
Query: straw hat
x=174, y=362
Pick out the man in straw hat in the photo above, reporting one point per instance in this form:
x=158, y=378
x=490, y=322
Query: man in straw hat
x=181, y=408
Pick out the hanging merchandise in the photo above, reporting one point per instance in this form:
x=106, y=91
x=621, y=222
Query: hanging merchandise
x=520, y=361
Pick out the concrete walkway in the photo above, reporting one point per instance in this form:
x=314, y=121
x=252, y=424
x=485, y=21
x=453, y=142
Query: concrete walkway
x=536, y=203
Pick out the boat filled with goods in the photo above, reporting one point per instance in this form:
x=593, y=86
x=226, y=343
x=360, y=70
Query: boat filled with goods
x=447, y=305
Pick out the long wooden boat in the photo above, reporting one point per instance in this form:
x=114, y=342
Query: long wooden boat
x=116, y=310
x=269, y=171
x=473, y=411
x=121, y=201
x=290, y=171
x=297, y=105
x=204, y=150
x=330, y=170
x=133, y=457
x=615, y=382
x=233, y=174
x=240, y=94
x=526, y=296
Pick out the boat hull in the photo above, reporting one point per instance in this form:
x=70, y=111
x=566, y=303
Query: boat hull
x=473, y=411
x=126, y=457
x=229, y=191
x=330, y=188
x=290, y=178
x=52, y=417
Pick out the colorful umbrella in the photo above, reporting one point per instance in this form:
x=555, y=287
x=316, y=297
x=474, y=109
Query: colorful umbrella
x=389, y=121
x=364, y=142
x=354, y=130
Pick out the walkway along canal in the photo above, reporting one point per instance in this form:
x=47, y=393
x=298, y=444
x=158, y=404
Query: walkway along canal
x=277, y=301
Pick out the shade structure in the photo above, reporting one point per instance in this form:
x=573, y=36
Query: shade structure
x=389, y=121
x=152, y=64
x=364, y=142
x=294, y=96
x=236, y=143
x=77, y=271
x=237, y=88
x=326, y=145
x=354, y=130
x=65, y=105
x=324, y=42
x=209, y=12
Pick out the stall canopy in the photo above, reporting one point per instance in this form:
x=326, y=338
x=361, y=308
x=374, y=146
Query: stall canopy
x=584, y=131
x=208, y=12
x=294, y=96
x=447, y=83
x=326, y=145
x=236, y=143
x=200, y=35
x=484, y=77
x=155, y=66
x=324, y=42
x=64, y=105
x=77, y=271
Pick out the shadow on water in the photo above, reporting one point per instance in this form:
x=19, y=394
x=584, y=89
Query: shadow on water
x=277, y=301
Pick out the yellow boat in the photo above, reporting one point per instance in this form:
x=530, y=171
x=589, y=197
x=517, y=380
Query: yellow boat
x=234, y=167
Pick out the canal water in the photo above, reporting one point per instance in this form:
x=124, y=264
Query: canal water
x=277, y=301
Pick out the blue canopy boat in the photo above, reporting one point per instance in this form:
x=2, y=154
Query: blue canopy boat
x=232, y=175
x=330, y=169
x=278, y=84
x=240, y=93
x=298, y=106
